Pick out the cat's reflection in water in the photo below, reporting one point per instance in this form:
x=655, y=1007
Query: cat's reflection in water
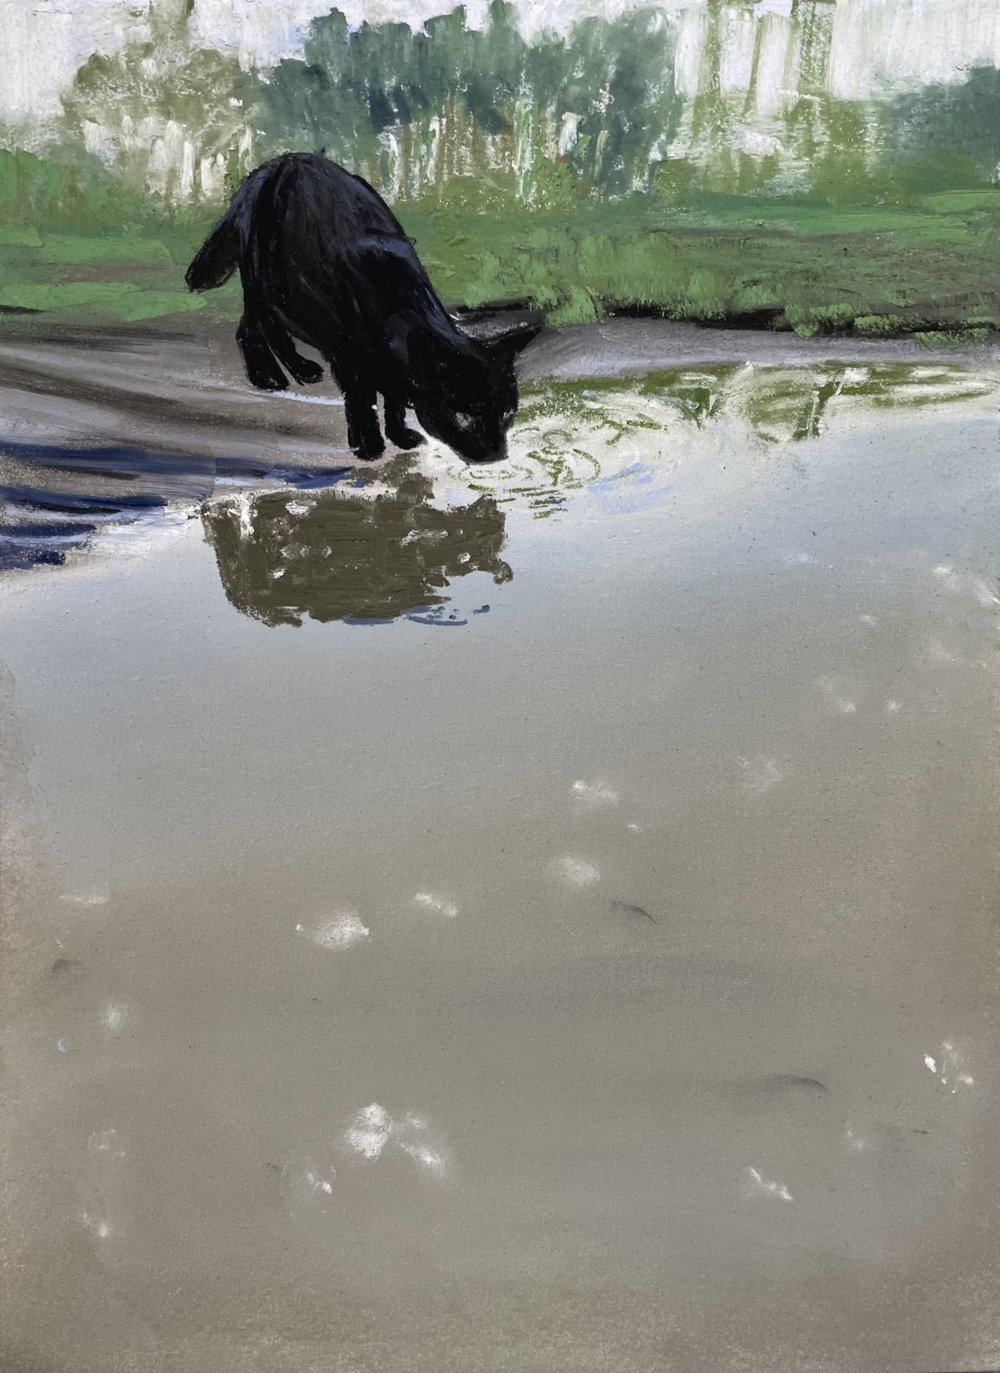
x=346, y=554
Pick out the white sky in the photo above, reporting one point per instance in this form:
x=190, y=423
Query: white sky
x=45, y=41
x=876, y=43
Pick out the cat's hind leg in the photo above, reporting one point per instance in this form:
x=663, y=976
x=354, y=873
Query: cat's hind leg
x=261, y=365
x=300, y=369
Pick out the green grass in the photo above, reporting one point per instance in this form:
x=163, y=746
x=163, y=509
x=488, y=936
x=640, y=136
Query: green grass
x=930, y=268
x=120, y=300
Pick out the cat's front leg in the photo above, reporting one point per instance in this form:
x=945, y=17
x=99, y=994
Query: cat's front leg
x=364, y=437
x=363, y=433
x=396, y=429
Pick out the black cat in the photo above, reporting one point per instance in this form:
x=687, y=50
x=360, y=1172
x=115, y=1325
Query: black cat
x=322, y=259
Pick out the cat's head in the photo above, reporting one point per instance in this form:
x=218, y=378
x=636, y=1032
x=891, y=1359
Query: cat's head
x=470, y=398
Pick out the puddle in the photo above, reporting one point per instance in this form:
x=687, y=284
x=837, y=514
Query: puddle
x=553, y=992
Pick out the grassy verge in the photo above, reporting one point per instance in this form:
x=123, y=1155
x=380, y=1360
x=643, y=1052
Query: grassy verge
x=928, y=267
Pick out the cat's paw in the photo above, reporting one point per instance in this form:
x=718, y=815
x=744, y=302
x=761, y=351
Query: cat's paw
x=268, y=381
x=405, y=438
x=369, y=450
x=307, y=373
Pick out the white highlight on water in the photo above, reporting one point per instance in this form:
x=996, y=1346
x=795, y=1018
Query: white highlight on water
x=374, y=1130
x=307, y=1182
x=370, y=1132
x=755, y=1185
x=95, y=1224
x=106, y=1144
x=243, y=505
x=576, y=872
x=342, y=931
x=595, y=795
x=967, y=584
x=430, y=901
x=113, y=1017
x=841, y=703
x=411, y=1135
x=949, y=1067
x=760, y=774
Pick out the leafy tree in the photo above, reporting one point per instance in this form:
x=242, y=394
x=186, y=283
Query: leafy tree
x=948, y=135
x=170, y=117
x=423, y=110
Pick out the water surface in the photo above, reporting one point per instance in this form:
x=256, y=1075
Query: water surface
x=539, y=918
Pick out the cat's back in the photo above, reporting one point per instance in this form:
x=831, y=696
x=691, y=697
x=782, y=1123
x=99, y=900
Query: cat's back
x=330, y=256
x=310, y=193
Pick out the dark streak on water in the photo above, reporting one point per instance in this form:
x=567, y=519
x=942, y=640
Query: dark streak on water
x=30, y=543
x=335, y=555
x=62, y=503
x=629, y=909
x=782, y=1083
x=116, y=484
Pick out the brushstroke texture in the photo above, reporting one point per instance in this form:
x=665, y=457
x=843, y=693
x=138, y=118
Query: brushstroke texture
x=345, y=556
x=671, y=159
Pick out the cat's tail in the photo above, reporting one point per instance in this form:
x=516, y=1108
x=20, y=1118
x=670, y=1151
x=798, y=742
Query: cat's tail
x=218, y=257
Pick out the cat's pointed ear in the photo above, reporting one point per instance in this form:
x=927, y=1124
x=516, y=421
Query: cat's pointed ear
x=516, y=339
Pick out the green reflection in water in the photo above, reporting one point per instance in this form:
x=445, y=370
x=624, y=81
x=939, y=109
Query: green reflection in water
x=570, y=434
x=385, y=551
